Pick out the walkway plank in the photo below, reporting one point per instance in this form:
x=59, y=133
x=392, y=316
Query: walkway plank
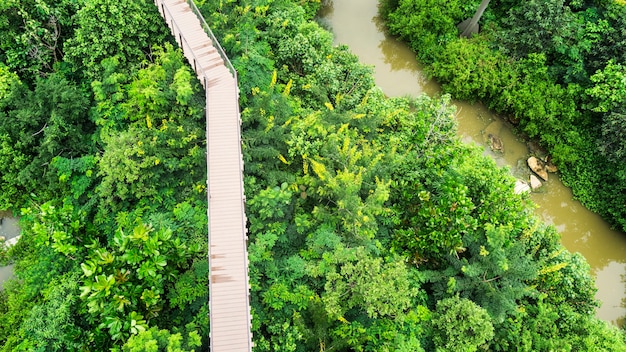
x=230, y=317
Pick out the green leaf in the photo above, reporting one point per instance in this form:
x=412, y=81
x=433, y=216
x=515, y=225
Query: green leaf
x=89, y=268
x=85, y=290
x=160, y=261
x=104, y=283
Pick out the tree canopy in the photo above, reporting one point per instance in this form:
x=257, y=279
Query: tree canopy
x=370, y=226
x=554, y=67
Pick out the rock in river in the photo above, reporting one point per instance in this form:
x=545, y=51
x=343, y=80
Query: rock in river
x=521, y=187
x=538, y=167
x=496, y=143
x=550, y=166
x=534, y=182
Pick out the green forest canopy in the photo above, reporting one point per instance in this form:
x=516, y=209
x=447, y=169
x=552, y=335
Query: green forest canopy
x=556, y=68
x=371, y=225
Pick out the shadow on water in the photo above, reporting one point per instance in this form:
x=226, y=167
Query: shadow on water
x=356, y=23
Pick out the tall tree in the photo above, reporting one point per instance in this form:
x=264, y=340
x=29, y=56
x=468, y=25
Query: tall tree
x=470, y=25
x=105, y=28
x=33, y=34
x=36, y=126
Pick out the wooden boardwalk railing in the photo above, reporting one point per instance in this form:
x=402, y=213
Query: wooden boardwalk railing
x=229, y=300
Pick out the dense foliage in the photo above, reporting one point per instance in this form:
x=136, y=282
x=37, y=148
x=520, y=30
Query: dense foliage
x=102, y=149
x=372, y=227
x=555, y=67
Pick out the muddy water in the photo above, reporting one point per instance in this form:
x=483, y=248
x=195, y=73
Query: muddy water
x=8, y=229
x=355, y=23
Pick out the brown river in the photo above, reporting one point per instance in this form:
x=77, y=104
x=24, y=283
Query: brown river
x=356, y=24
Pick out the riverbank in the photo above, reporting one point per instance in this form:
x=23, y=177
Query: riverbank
x=356, y=24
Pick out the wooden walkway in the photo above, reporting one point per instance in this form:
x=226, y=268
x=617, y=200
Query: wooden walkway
x=229, y=300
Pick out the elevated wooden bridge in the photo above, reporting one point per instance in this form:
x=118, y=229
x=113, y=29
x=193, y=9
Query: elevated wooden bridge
x=229, y=300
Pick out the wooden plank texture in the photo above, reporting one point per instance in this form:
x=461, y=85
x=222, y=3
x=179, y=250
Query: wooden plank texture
x=230, y=317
